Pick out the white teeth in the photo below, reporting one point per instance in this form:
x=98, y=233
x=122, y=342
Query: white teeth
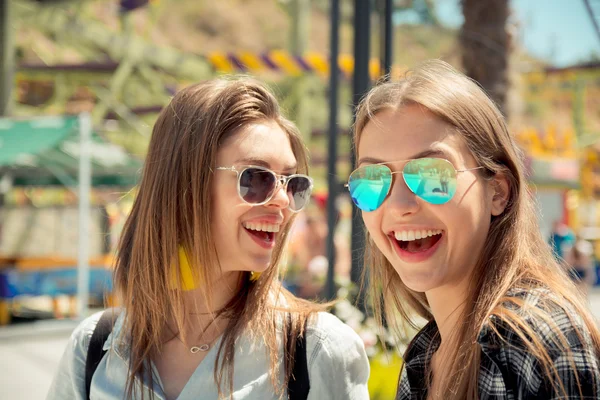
x=407, y=236
x=264, y=227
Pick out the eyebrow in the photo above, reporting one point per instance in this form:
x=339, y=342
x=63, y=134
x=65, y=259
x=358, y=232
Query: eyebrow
x=425, y=153
x=262, y=163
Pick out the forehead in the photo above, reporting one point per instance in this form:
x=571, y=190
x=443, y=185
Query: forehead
x=404, y=133
x=263, y=143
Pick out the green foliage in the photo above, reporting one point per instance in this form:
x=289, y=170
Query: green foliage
x=536, y=109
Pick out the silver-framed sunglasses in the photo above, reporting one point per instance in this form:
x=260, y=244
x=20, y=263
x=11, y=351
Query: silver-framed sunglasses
x=257, y=186
x=432, y=179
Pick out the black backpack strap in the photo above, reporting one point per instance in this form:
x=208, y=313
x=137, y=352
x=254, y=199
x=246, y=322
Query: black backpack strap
x=95, y=350
x=299, y=384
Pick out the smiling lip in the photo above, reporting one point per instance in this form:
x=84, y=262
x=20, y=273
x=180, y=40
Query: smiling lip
x=403, y=228
x=268, y=245
x=421, y=256
x=264, y=219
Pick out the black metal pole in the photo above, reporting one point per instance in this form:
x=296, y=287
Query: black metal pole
x=6, y=57
x=590, y=12
x=6, y=68
x=332, y=183
x=361, y=83
x=388, y=39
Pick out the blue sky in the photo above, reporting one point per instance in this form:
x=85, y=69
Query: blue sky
x=558, y=31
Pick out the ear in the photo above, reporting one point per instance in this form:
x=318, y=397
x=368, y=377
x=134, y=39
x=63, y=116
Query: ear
x=500, y=193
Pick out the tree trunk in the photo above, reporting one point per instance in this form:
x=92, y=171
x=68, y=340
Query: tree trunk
x=485, y=44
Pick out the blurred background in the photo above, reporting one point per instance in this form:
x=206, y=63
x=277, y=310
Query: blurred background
x=82, y=82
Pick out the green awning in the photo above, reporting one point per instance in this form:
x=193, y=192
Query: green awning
x=45, y=151
x=557, y=172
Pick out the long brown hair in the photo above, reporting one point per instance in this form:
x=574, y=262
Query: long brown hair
x=173, y=208
x=514, y=256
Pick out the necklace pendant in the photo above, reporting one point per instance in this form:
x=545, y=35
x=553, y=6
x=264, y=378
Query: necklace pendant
x=195, y=349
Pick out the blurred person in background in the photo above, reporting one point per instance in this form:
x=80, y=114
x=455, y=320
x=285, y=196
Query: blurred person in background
x=562, y=238
x=580, y=264
x=503, y=319
x=204, y=313
x=308, y=250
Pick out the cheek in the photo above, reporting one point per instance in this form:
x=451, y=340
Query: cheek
x=223, y=191
x=226, y=200
x=227, y=213
x=372, y=222
x=470, y=223
x=219, y=221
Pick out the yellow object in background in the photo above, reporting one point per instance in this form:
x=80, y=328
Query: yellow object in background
x=385, y=371
x=188, y=281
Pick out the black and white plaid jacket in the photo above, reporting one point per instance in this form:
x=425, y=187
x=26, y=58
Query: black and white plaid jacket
x=508, y=371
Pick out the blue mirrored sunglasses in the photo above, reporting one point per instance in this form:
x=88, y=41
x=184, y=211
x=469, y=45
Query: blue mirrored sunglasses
x=431, y=179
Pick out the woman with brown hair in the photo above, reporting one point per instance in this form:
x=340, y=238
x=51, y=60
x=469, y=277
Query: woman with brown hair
x=503, y=319
x=204, y=314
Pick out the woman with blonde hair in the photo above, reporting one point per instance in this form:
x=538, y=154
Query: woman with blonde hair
x=204, y=313
x=503, y=319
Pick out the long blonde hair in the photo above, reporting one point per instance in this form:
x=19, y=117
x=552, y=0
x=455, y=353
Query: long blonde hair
x=173, y=208
x=514, y=256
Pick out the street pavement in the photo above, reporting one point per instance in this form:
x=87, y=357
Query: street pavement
x=29, y=356
x=30, y=353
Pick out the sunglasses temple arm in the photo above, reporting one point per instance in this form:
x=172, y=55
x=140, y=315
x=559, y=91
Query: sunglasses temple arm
x=469, y=169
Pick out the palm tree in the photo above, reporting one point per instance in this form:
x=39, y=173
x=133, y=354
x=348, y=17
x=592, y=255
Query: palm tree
x=485, y=44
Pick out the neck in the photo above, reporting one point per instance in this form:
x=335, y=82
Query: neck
x=222, y=291
x=447, y=305
x=201, y=308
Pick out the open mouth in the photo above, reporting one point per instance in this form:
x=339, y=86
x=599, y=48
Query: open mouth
x=417, y=241
x=265, y=236
x=262, y=231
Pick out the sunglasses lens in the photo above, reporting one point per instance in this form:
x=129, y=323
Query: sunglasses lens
x=432, y=179
x=256, y=185
x=299, y=189
x=369, y=185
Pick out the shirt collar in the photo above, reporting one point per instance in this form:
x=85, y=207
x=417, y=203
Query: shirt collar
x=425, y=342
x=418, y=356
x=120, y=344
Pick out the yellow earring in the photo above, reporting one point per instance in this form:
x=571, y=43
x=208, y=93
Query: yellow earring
x=254, y=276
x=188, y=281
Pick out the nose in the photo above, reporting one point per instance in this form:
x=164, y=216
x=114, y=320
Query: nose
x=401, y=200
x=280, y=198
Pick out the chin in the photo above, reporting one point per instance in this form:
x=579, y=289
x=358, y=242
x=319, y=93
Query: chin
x=260, y=264
x=419, y=281
x=419, y=288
